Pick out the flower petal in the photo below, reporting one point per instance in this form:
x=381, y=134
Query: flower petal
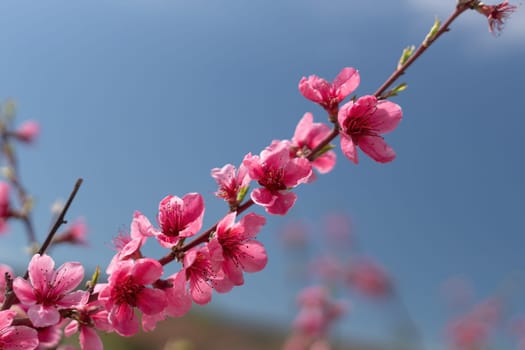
x=386, y=117
x=67, y=277
x=151, y=301
x=43, y=316
x=348, y=148
x=346, y=82
x=377, y=149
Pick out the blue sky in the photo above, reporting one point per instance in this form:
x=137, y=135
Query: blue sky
x=143, y=98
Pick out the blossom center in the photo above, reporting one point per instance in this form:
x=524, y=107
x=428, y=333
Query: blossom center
x=273, y=179
x=127, y=291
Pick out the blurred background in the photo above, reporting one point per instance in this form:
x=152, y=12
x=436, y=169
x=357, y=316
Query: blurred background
x=143, y=98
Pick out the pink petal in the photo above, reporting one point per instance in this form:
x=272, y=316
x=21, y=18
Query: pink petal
x=263, y=197
x=303, y=128
x=67, y=277
x=325, y=163
x=253, y=257
x=251, y=163
x=386, y=117
x=226, y=223
x=179, y=300
x=283, y=202
x=348, y=148
x=124, y=321
x=151, y=301
x=225, y=285
x=377, y=149
x=346, y=82
x=24, y=291
x=71, y=328
x=6, y=318
x=43, y=316
x=19, y=338
x=193, y=207
x=89, y=339
x=200, y=291
x=146, y=271
x=252, y=224
x=296, y=170
x=79, y=297
x=313, y=88
x=41, y=272
x=141, y=226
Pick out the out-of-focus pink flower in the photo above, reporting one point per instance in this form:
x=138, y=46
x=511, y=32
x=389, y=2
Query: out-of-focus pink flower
x=127, y=289
x=16, y=337
x=472, y=330
x=179, y=217
x=277, y=173
x=74, y=234
x=201, y=269
x=308, y=135
x=327, y=268
x=48, y=291
x=496, y=14
x=368, y=278
x=4, y=269
x=128, y=246
x=5, y=212
x=232, y=183
x=329, y=95
x=318, y=311
x=468, y=333
x=295, y=234
x=28, y=131
x=338, y=229
x=240, y=251
x=362, y=122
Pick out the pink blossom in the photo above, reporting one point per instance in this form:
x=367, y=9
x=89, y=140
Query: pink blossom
x=362, y=122
x=277, y=173
x=240, y=251
x=28, y=131
x=318, y=311
x=179, y=218
x=201, y=269
x=179, y=302
x=5, y=272
x=48, y=291
x=232, y=183
x=327, y=268
x=126, y=289
x=5, y=211
x=295, y=234
x=74, y=234
x=90, y=317
x=308, y=135
x=128, y=246
x=369, y=278
x=329, y=95
x=468, y=333
x=496, y=14
x=16, y=337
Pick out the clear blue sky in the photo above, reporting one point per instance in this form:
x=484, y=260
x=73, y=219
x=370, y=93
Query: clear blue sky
x=143, y=98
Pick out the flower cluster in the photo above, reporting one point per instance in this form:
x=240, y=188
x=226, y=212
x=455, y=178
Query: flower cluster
x=138, y=292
